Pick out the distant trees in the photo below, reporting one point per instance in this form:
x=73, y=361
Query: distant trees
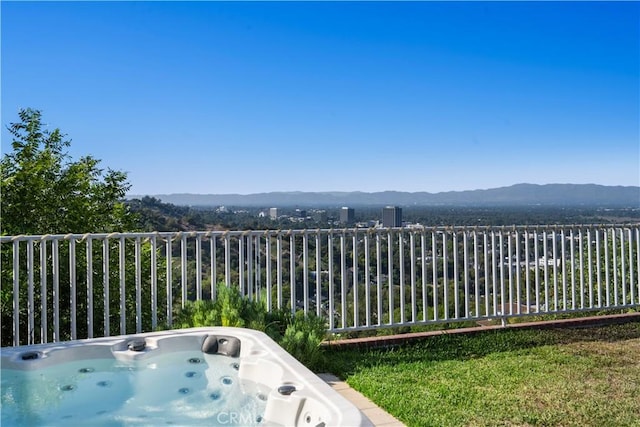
x=154, y=215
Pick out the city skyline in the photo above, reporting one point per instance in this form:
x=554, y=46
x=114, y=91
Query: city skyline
x=246, y=98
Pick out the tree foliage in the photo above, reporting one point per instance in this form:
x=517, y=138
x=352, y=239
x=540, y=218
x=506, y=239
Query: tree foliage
x=45, y=191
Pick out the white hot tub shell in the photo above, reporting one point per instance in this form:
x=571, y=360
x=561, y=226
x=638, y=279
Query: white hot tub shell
x=295, y=396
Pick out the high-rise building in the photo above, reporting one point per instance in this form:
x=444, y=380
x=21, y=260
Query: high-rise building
x=391, y=216
x=346, y=215
x=273, y=213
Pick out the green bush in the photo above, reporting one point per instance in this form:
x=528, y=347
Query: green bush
x=302, y=339
x=229, y=309
x=298, y=334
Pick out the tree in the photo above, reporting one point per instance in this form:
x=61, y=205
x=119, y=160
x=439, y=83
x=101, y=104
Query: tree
x=45, y=191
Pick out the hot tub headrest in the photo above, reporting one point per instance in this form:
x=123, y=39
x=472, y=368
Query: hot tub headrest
x=221, y=344
x=136, y=345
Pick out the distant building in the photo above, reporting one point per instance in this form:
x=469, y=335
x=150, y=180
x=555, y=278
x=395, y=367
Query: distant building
x=273, y=213
x=367, y=224
x=301, y=213
x=392, y=216
x=319, y=215
x=346, y=215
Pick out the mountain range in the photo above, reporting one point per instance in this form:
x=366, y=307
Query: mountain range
x=515, y=195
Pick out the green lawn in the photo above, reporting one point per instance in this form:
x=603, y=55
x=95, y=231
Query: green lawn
x=565, y=377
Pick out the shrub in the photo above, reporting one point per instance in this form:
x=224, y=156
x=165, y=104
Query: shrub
x=298, y=334
x=302, y=339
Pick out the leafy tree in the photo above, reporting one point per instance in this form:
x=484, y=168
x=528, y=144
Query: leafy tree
x=45, y=191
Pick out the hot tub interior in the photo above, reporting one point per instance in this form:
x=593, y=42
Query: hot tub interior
x=199, y=376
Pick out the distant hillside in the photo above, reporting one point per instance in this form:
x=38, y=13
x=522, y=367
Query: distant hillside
x=515, y=195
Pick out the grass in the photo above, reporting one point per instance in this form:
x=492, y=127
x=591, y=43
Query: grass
x=561, y=377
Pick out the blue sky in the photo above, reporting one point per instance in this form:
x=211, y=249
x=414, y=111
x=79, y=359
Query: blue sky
x=248, y=97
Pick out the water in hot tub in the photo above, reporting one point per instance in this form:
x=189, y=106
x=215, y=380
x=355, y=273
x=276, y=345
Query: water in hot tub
x=180, y=388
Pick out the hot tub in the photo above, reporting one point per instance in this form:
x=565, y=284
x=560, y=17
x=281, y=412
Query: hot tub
x=201, y=376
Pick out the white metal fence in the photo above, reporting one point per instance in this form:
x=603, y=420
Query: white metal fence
x=58, y=287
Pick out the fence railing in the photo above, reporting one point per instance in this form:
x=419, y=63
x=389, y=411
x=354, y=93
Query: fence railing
x=59, y=287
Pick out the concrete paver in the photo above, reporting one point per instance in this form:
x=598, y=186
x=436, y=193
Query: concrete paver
x=376, y=415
